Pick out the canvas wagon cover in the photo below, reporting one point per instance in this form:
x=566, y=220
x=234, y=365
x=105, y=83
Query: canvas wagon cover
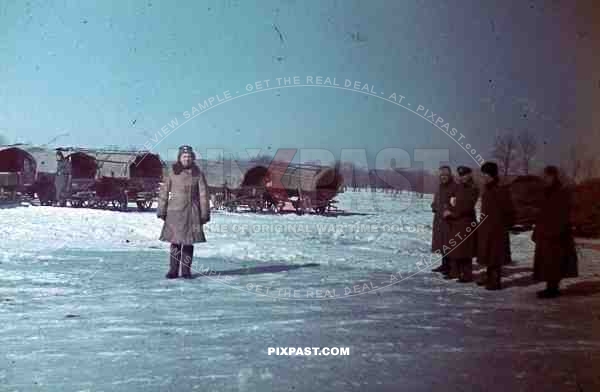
x=14, y=159
x=127, y=164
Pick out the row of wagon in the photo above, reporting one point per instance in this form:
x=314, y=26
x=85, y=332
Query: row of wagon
x=113, y=179
x=98, y=178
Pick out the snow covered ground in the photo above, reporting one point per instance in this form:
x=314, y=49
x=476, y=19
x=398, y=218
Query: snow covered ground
x=84, y=306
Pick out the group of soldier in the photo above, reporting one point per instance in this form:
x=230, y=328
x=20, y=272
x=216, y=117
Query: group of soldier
x=459, y=237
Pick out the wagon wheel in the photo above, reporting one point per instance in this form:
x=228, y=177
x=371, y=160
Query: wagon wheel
x=101, y=204
x=231, y=207
x=120, y=204
x=278, y=207
x=254, y=207
x=275, y=208
x=297, y=206
x=144, y=205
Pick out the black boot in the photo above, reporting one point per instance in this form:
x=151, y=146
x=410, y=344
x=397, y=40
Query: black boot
x=466, y=271
x=186, y=261
x=482, y=278
x=444, y=268
x=551, y=291
x=174, y=257
x=493, y=278
x=453, y=269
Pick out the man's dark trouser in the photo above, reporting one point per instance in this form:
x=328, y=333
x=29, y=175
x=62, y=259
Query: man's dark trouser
x=444, y=268
x=465, y=269
x=454, y=268
x=493, y=278
x=180, y=255
x=507, y=248
x=445, y=265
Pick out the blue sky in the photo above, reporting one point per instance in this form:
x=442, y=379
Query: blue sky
x=116, y=72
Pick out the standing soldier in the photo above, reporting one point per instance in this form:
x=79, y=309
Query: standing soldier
x=62, y=179
x=441, y=227
x=184, y=206
x=555, y=256
x=497, y=214
x=462, y=219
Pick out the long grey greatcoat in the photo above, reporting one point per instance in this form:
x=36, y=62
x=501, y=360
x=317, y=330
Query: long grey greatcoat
x=555, y=255
x=441, y=227
x=463, y=221
x=62, y=180
x=184, y=203
x=497, y=216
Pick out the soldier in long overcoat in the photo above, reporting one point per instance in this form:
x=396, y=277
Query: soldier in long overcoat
x=62, y=180
x=555, y=255
x=462, y=219
x=441, y=227
x=496, y=219
x=184, y=206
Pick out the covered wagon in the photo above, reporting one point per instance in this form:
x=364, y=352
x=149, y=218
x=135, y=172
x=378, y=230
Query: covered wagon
x=46, y=171
x=128, y=176
x=307, y=188
x=81, y=183
x=312, y=188
x=17, y=173
x=79, y=180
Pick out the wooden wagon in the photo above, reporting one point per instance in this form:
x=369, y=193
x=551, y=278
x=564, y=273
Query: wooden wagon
x=127, y=176
x=81, y=184
x=17, y=174
x=307, y=188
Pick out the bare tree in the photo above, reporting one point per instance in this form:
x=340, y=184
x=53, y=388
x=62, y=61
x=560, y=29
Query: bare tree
x=527, y=149
x=505, y=151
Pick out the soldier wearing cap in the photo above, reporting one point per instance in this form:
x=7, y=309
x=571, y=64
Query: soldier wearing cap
x=461, y=216
x=62, y=181
x=184, y=206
